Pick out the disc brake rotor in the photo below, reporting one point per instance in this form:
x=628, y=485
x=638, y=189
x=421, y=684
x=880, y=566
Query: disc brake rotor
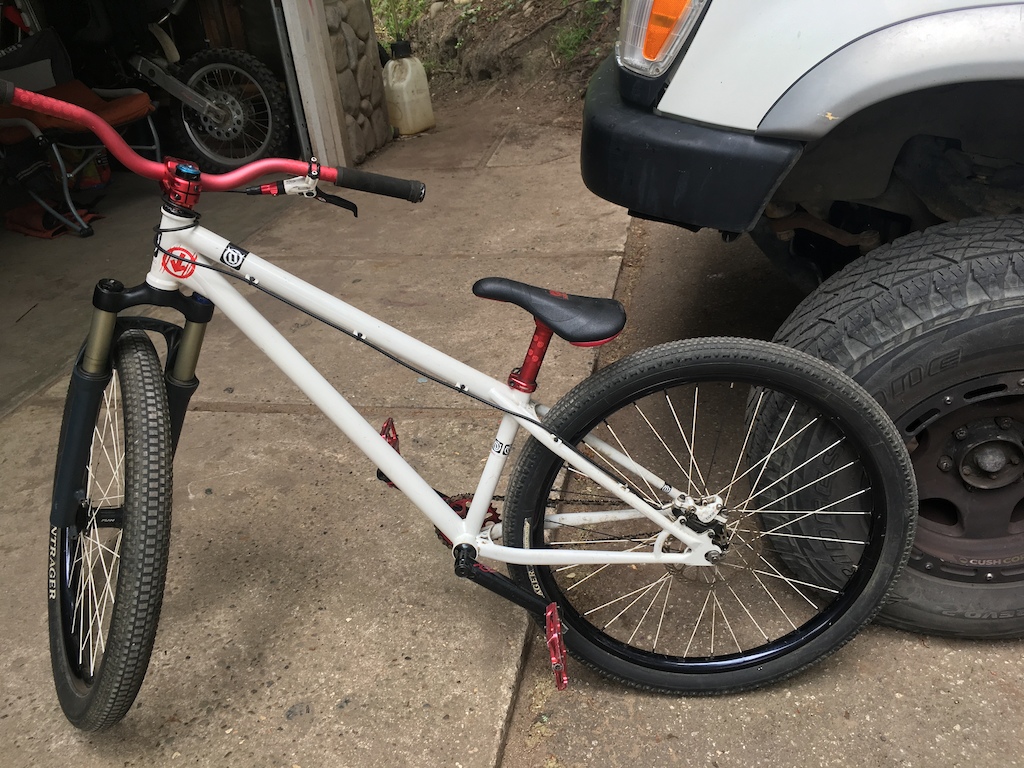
x=231, y=125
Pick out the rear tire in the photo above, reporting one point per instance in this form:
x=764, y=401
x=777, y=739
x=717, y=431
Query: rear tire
x=257, y=117
x=107, y=572
x=718, y=419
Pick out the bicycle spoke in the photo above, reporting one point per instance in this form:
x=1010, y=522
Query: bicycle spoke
x=97, y=555
x=728, y=624
x=639, y=592
x=755, y=493
x=697, y=623
x=661, y=440
x=651, y=497
x=743, y=449
x=763, y=461
x=661, y=618
x=691, y=447
x=746, y=610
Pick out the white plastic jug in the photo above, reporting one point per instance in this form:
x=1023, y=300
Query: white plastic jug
x=406, y=92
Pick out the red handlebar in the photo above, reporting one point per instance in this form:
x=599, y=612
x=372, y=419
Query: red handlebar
x=217, y=182
x=73, y=114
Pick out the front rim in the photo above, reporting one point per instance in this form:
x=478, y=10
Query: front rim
x=90, y=555
x=766, y=597
x=243, y=131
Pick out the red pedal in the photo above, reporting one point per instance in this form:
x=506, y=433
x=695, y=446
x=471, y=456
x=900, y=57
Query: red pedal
x=390, y=433
x=556, y=646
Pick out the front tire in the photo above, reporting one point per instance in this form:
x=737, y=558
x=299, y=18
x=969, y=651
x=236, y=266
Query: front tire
x=718, y=419
x=107, y=572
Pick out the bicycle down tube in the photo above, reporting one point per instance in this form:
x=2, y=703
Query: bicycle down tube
x=187, y=249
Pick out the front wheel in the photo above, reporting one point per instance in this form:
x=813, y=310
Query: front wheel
x=106, y=574
x=254, y=120
x=719, y=422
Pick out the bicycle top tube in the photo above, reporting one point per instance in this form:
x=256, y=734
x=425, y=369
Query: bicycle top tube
x=413, y=191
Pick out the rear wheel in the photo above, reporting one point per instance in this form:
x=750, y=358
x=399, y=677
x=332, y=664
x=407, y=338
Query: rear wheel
x=107, y=571
x=722, y=421
x=254, y=122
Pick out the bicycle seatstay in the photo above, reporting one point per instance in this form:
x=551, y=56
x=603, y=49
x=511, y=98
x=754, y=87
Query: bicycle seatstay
x=190, y=243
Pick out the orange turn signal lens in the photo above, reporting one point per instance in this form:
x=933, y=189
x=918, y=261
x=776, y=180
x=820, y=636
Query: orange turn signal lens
x=665, y=14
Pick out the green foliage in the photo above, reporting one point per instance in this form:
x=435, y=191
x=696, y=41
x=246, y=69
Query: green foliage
x=569, y=40
x=395, y=17
x=572, y=37
x=471, y=13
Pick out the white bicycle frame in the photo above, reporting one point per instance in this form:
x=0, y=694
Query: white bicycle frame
x=200, y=261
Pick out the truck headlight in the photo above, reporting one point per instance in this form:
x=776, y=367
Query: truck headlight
x=651, y=33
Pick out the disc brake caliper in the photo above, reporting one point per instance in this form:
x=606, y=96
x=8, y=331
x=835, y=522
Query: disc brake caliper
x=705, y=514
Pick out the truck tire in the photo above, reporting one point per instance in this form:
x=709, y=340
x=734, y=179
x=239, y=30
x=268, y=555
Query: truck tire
x=932, y=325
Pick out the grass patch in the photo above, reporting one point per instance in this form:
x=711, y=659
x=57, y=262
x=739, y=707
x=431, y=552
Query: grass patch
x=394, y=18
x=573, y=37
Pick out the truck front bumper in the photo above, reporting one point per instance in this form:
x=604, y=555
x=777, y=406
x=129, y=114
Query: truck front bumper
x=668, y=170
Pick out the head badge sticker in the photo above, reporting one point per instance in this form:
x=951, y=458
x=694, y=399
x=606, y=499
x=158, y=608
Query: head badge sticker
x=179, y=262
x=234, y=255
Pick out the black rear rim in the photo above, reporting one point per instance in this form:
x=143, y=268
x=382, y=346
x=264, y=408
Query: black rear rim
x=851, y=591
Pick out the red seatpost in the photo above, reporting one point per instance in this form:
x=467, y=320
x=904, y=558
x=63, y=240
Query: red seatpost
x=524, y=378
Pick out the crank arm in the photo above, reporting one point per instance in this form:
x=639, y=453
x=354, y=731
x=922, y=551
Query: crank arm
x=546, y=613
x=468, y=567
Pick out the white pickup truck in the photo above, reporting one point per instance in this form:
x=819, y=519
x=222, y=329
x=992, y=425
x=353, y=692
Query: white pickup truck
x=875, y=152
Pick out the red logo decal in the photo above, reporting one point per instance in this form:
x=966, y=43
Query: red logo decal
x=179, y=262
x=559, y=294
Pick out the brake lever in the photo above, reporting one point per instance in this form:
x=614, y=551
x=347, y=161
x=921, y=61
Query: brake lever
x=341, y=202
x=303, y=186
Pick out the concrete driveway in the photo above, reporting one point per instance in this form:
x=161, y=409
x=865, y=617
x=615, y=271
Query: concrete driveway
x=311, y=617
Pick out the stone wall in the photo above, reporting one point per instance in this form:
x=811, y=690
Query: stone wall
x=360, y=76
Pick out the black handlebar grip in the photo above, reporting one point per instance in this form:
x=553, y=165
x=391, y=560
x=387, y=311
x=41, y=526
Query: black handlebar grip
x=6, y=91
x=377, y=184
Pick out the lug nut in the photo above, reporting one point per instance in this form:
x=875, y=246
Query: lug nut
x=945, y=463
x=1004, y=423
x=961, y=433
